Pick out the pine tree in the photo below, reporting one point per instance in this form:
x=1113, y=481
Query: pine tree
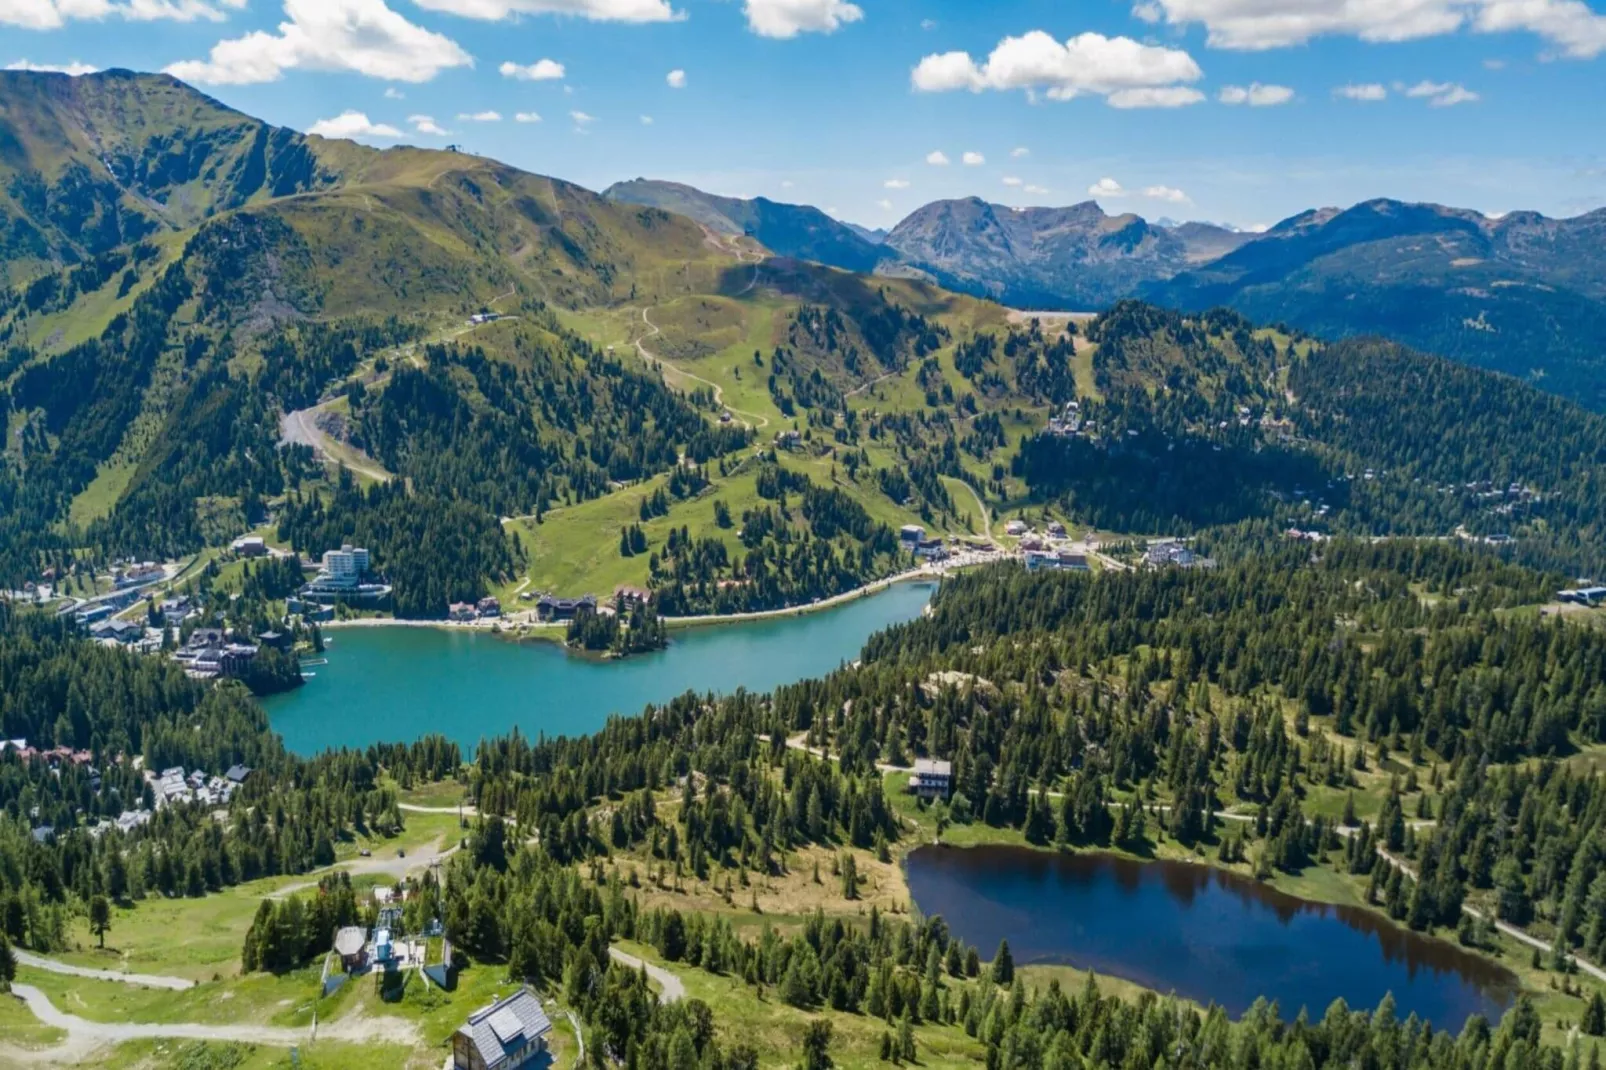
x=1003, y=972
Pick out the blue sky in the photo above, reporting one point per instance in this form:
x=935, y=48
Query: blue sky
x=1240, y=111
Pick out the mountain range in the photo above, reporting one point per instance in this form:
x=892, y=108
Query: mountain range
x=1522, y=294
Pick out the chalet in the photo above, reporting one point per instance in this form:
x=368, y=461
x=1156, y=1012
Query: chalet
x=509, y=1033
x=911, y=535
x=237, y=773
x=550, y=607
x=931, y=549
x=932, y=779
x=489, y=606
x=249, y=546
x=462, y=612
x=1016, y=527
x=638, y=596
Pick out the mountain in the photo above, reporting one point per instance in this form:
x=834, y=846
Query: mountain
x=1072, y=257
x=1521, y=294
x=795, y=230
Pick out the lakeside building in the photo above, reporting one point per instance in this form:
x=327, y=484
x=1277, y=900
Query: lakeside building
x=210, y=653
x=911, y=536
x=550, y=607
x=931, y=549
x=341, y=578
x=932, y=778
x=509, y=1033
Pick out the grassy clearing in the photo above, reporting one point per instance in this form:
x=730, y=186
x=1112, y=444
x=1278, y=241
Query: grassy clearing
x=742, y=1016
x=20, y=1029
x=285, y=1000
x=207, y=1055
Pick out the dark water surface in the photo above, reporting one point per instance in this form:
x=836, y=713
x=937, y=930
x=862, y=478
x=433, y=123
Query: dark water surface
x=396, y=684
x=1202, y=933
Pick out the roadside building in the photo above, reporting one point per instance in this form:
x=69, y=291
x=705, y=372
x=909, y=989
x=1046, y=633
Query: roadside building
x=249, y=546
x=911, y=535
x=511, y=1032
x=349, y=944
x=932, y=778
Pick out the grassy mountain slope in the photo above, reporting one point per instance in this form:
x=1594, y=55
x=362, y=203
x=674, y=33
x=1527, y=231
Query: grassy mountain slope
x=796, y=230
x=1521, y=294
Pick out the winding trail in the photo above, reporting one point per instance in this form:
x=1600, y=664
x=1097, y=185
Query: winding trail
x=148, y=980
x=719, y=392
x=397, y=866
x=672, y=989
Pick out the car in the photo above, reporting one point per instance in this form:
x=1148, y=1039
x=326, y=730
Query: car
x=401, y=852
x=365, y=852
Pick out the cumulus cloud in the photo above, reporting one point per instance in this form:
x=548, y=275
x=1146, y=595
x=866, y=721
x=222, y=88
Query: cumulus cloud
x=1570, y=26
x=1011, y=180
x=1020, y=151
x=74, y=69
x=646, y=120
x=676, y=79
x=425, y=124
x=1036, y=189
x=594, y=10
x=973, y=159
x=1125, y=72
x=884, y=204
x=1256, y=95
x=392, y=93
x=788, y=18
x=479, y=117
x=1368, y=92
x=526, y=117
x=581, y=118
x=1169, y=194
x=937, y=158
x=896, y=183
x=542, y=70
x=358, y=36
x=352, y=124
x=1441, y=94
x=1106, y=187
x=53, y=14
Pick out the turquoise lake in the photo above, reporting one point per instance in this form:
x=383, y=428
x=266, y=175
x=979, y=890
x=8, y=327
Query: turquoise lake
x=398, y=684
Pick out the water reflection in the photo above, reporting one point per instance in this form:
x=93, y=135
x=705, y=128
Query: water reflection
x=1203, y=933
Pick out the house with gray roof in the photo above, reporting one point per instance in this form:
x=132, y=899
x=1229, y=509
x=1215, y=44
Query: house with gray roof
x=509, y=1033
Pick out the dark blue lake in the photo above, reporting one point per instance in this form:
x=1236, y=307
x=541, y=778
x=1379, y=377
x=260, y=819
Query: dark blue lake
x=1207, y=935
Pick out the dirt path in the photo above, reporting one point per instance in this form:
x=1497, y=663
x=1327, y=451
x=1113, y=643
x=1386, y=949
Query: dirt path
x=719, y=392
x=986, y=514
x=301, y=426
x=149, y=980
x=923, y=572
x=85, y=1037
x=672, y=989
x=394, y=866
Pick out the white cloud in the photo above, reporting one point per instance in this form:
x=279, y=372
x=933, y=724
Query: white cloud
x=1494, y=64
x=973, y=159
x=479, y=117
x=1011, y=180
x=884, y=205
x=928, y=24
x=788, y=18
x=1571, y=26
x=593, y=10
x=581, y=118
x=392, y=93
x=646, y=120
x=352, y=124
x=1020, y=151
x=1169, y=194
x=1173, y=96
x=360, y=36
x=425, y=124
x=676, y=79
x=1256, y=95
x=786, y=183
x=74, y=69
x=896, y=183
x=526, y=117
x=1441, y=94
x=937, y=158
x=1364, y=91
x=1106, y=187
x=53, y=14
x=1036, y=189
x=1112, y=67
x=542, y=70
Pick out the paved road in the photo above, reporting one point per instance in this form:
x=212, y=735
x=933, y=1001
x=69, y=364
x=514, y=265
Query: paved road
x=671, y=989
x=149, y=980
x=302, y=427
x=387, y=864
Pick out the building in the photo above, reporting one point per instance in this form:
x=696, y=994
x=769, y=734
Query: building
x=1057, y=560
x=549, y=607
x=510, y=1032
x=1584, y=596
x=931, y=549
x=489, y=606
x=637, y=596
x=1056, y=529
x=461, y=612
x=1016, y=527
x=347, y=564
x=237, y=773
x=341, y=578
x=134, y=575
x=911, y=535
x=932, y=779
x=349, y=944
x=249, y=546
